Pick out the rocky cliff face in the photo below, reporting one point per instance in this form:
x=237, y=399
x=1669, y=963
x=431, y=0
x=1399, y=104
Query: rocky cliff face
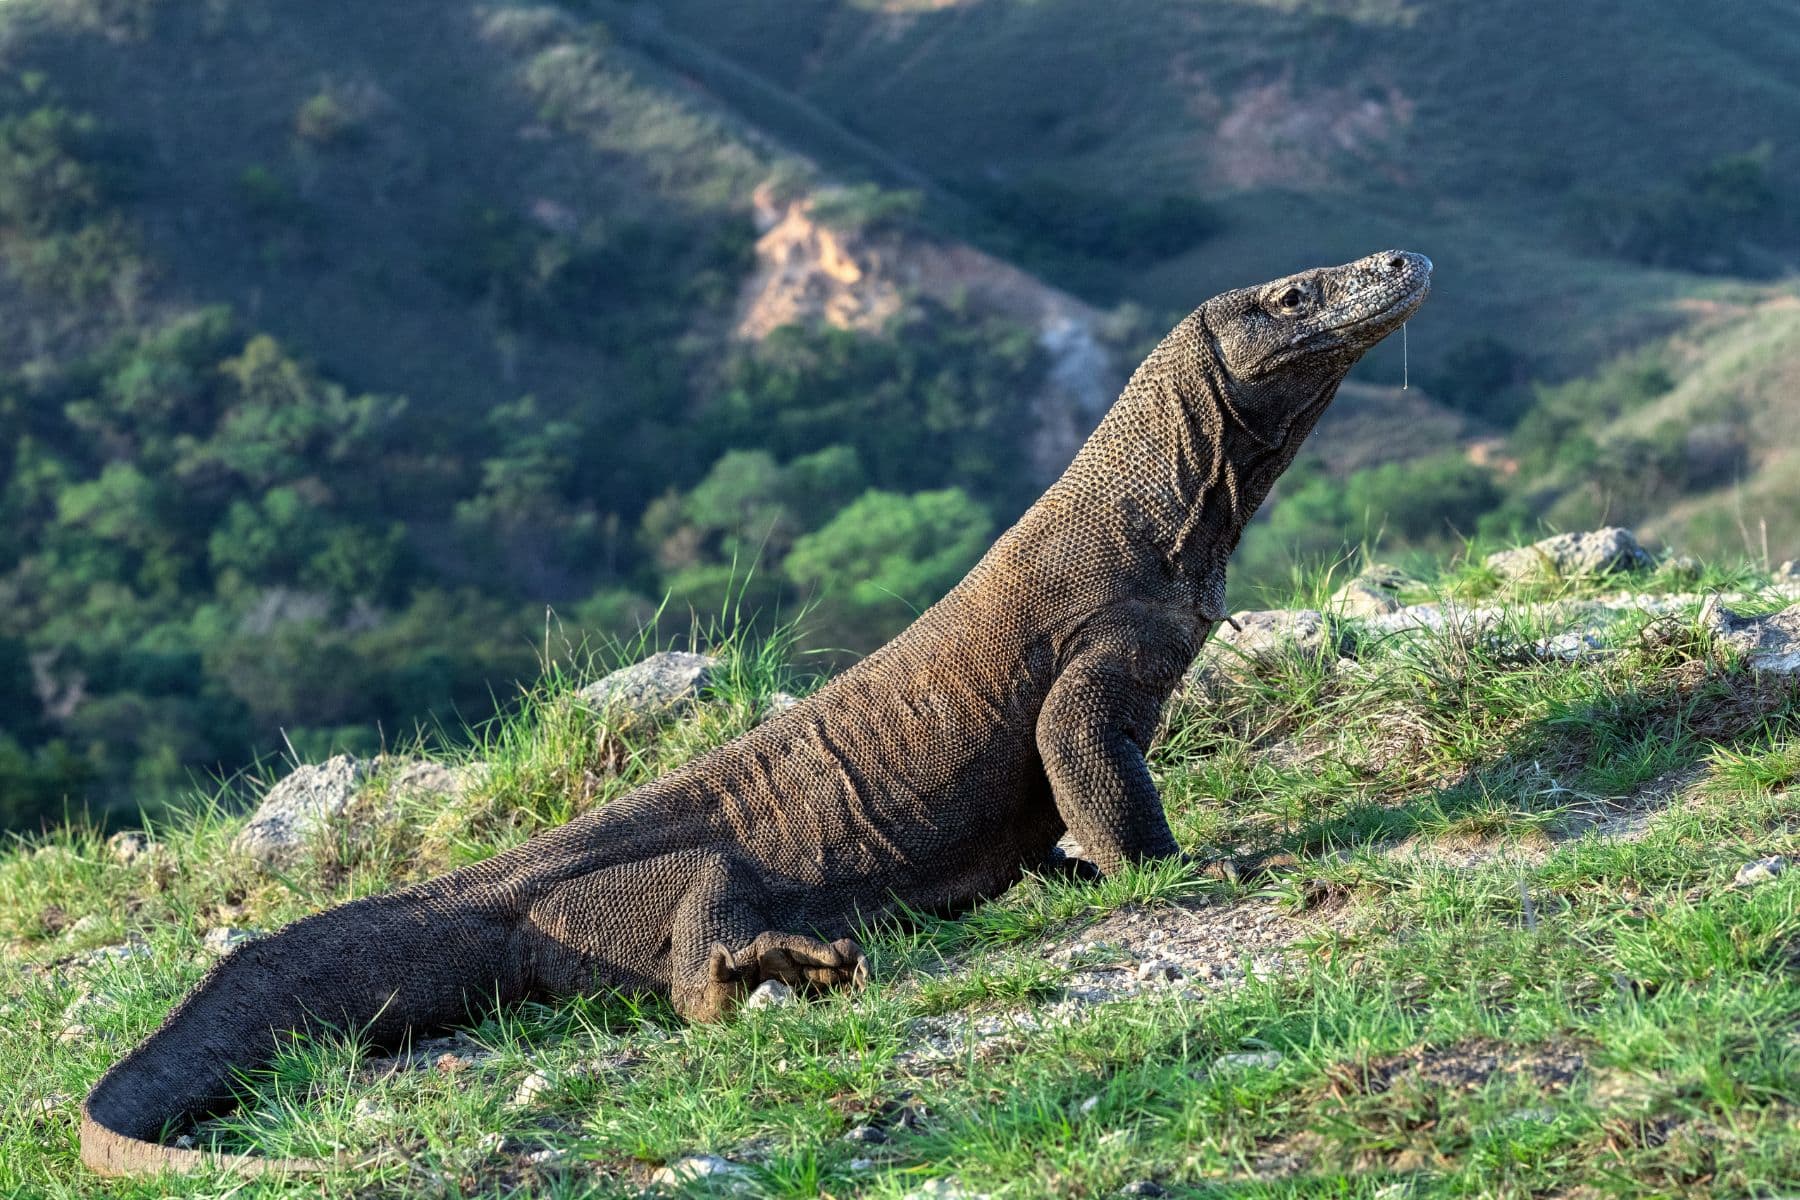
x=812, y=271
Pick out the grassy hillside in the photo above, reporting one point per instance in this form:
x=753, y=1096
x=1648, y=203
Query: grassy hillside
x=1502, y=954
x=1493, y=137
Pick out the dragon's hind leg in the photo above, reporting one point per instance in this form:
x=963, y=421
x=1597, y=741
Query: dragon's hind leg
x=722, y=946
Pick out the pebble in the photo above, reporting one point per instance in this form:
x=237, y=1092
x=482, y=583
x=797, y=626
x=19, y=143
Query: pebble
x=1761, y=870
x=546, y=1157
x=49, y=1104
x=868, y=1135
x=944, y=1189
x=74, y=1033
x=127, y=846
x=533, y=1088
x=1247, y=1060
x=223, y=939
x=1143, y=1187
x=1158, y=971
x=697, y=1166
x=862, y=1164
x=771, y=993
x=1089, y=1105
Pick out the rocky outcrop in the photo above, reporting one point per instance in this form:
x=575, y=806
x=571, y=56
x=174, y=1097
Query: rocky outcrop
x=297, y=809
x=1770, y=644
x=811, y=271
x=663, y=684
x=312, y=798
x=1572, y=556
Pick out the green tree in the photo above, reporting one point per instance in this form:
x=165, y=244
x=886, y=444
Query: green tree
x=888, y=556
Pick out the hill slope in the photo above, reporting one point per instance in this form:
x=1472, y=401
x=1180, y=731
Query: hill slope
x=1509, y=940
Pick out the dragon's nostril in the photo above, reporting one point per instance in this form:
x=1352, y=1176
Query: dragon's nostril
x=1396, y=263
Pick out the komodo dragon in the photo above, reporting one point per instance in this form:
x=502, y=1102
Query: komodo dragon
x=929, y=775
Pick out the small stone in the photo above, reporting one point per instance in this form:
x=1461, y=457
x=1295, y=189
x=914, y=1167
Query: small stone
x=370, y=1110
x=1761, y=870
x=1259, y=1060
x=1372, y=592
x=451, y=1064
x=1538, y=1116
x=533, y=1088
x=862, y=1164
x=868, y=1135
x=1158, y=971
x=1088, y=1105
x=491, y=1143
x=944, y=1189
x=1143, y=1187
x=546, y=1157
x=780, y=702
x=771, y=993
x=127, y=847
x=91, y=923
x=49, y=1104
x=74, y=1033
x=1683, y=566
x=662, y=683
x=698, y=1166
x=1258, y=639
x=223, y=939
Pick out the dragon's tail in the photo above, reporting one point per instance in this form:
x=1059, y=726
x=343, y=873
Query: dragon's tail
x=378, y=967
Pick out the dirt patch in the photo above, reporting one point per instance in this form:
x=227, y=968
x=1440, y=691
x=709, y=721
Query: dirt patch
x=1192, y=948
x=1462, y=1066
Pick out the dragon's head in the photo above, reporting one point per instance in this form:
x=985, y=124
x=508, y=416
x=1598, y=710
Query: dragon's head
x=1284, y=346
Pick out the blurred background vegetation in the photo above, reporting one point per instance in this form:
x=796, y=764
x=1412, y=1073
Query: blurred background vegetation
x=353, y=357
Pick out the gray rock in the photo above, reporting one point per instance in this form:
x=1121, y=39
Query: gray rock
x=779, y=703
x=771, y=993
x=1158, y=970
x=868, y=1135
x=1572, y=556
x=1372, y=592
x=223, y=939
x=49, y=1105
x=128, y=846
x=1770, y=645
x=1761, y=871
x=533, y=1088
x=944, y=1189
x=696, y=1166
x=1143, y=1187
x=1248, y=1060
x=297, y=809
x=663, y=683
x=1259, y=638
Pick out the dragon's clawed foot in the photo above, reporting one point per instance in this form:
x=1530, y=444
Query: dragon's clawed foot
x=797, y=960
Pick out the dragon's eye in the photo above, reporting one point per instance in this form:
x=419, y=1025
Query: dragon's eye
x=1290, y=299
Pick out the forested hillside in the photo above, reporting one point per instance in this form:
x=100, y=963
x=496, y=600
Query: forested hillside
x=355, y=358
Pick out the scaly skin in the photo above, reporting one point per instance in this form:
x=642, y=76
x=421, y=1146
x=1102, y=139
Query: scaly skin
x=930, y=775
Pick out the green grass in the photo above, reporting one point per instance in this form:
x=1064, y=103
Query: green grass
x=1488, y=994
